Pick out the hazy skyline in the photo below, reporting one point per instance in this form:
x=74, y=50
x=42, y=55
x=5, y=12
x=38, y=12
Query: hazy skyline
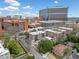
x=32, y=7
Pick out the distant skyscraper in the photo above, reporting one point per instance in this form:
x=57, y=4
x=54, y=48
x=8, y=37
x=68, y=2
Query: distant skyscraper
x=54, y=13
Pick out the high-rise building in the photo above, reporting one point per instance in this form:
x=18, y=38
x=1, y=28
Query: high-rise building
x=54, y=13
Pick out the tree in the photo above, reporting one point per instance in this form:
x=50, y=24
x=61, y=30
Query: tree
x=45, y=46
x=71, y=38
x=68, y=51
x=6, y=40
x=62, y=41
x=77, y=46
x=13, y=47
x=30, y=57
x=77, y=39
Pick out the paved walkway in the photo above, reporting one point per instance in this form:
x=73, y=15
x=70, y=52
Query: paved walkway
x=36, y=54
x=22, y=56
x=32, y=50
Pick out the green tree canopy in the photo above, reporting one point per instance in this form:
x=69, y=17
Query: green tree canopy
x=68, y=50
x=72, y=38
x=45, y=46
x=30, y=57
x=6, y=40
x=13, y=47
x=77, y=46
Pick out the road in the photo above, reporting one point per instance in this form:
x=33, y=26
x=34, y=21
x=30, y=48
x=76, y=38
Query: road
x=36, y=54
x=21, y=57
x=32, y=50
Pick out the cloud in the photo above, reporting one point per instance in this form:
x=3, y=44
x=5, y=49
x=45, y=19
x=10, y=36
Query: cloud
x=27, y=7
x=1, y=8
x=13, y=2
x=10, y=0
x=56, y=2
x=9, y=8
x=0, y=12
x=29, y=14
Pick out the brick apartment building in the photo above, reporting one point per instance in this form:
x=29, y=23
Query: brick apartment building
x=13, y=25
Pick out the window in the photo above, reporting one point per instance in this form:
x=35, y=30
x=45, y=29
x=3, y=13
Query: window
x=12, y=24
x=2, y=27
x=42, y=34
x=36, y=38
x=17, y=24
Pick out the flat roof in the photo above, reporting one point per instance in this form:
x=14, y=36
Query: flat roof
x=53, y=31
x=3, y=50
x=34, y=23
x=48, y=37
x=13, y=21
x=54, y=7
x=66, y=28
x=62, y=30
x=51, y=21
x=58, y=29
x=36, y=32
x=37, y=28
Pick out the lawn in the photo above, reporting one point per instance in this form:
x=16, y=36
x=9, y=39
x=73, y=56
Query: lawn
x=51, y=56
x=20, y=48
x=58, y=57
x=11, y=43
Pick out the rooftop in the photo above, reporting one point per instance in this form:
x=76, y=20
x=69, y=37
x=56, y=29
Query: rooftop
x=60, y=48
x=49, y=38
x=13, y=21
x=66, y=28
x=3, y=50
x=53, y=31
x=55, y=7
x=61, y=30
x=37, y=28
x=36, y=32
x=51, y=21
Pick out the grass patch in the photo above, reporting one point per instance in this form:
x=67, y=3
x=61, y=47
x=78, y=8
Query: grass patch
x=20, y=49
x=30, y=57
x=13, y=46
x=58, y=57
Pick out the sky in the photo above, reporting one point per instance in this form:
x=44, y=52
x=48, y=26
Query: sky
x=32, y=7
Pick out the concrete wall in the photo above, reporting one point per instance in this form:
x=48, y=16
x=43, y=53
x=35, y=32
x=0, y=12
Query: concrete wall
x=54, y=13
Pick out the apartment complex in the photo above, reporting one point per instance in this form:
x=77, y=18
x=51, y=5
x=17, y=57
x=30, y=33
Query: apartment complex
x=37, y=35
x=54, y=13
x=54, y=33
x=13, y=25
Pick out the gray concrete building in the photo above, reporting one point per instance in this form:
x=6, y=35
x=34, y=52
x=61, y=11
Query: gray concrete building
x=52, y=23
x=54, y=13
